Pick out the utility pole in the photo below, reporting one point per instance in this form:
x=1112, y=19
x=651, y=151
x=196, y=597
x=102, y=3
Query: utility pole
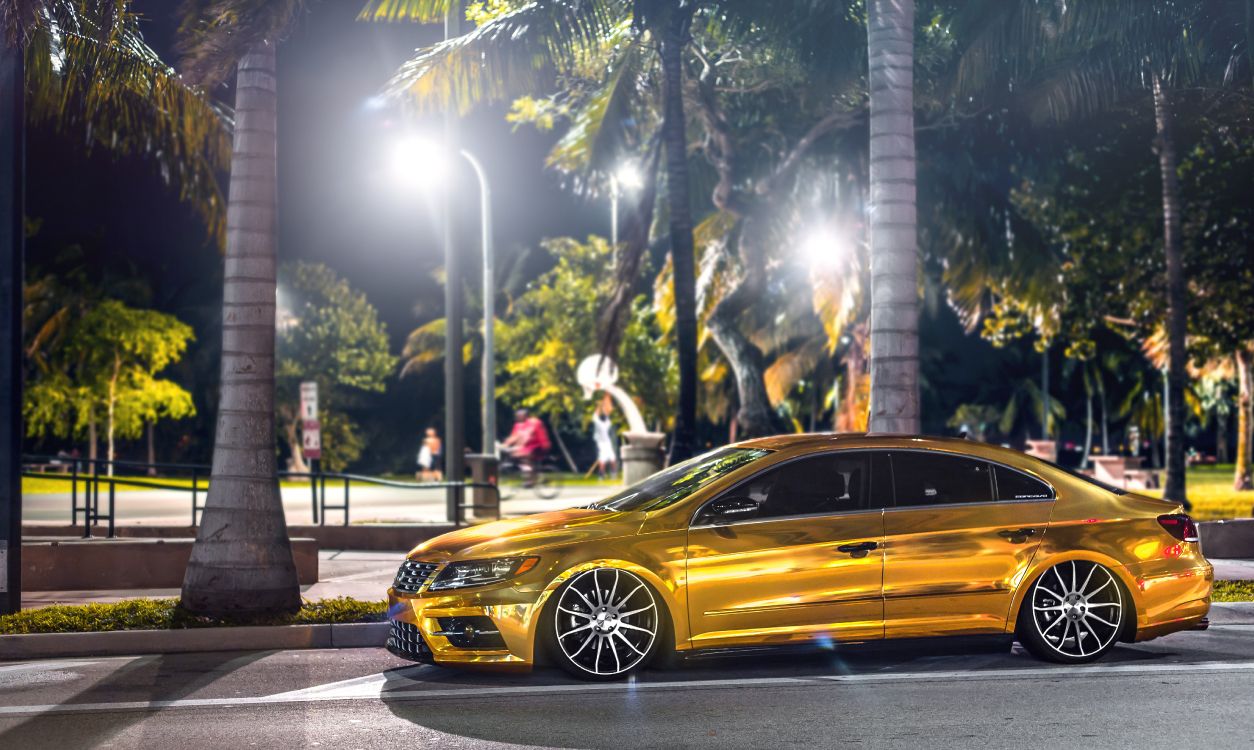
x=12, y=241
x=454, y=392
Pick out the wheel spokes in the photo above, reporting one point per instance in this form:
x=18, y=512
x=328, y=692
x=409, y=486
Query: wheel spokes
x=607, y=621
x=1077, y=611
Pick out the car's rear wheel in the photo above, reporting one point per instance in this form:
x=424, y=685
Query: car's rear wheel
x=604, y=623
x=1073, y=613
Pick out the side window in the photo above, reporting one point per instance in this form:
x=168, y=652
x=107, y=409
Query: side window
x=822, y=484
x=1014, y=485
x=940, y=479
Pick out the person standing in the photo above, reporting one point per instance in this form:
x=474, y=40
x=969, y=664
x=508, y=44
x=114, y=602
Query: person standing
x=603, y=436
x=430, y=457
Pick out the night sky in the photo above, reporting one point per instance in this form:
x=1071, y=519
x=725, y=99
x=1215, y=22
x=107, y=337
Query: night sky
x=338, y=202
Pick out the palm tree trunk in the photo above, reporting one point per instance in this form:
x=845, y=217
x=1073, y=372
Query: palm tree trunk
x=672, y=39
x=12, y=252
x=242, y=560
x=1088, y=430
x=109, y=431
x=294, y=445
x=1221, y=436
x=1101, y=395
x=1176, y=324
x=1245, y=423
x=91, y=436
x=152, y=451
x=894, y=271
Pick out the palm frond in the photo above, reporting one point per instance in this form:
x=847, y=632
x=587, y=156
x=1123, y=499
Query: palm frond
x=215, y=34
x=420, y=11
x=122, y=97
x=513, y=54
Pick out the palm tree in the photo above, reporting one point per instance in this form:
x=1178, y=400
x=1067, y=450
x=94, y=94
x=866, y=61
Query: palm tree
x=242, y=562
x=1093, y=54
x=894, y=359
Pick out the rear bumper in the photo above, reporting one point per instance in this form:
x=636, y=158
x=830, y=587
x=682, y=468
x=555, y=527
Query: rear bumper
x=1172, y=602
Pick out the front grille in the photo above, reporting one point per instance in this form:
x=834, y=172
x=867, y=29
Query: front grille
x=412, y=575
x=405, y=640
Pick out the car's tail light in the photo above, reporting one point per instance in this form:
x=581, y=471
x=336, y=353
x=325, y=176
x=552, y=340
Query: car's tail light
x=1180, y=526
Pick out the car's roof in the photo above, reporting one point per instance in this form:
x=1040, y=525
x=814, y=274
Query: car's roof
x=821, y=440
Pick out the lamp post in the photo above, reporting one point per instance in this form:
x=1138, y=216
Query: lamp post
x=416, y=158
x=625, y=176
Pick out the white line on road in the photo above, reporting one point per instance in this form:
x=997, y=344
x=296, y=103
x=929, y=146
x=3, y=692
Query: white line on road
x=370, y=687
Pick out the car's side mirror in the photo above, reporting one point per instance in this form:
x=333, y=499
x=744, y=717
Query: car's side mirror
x=727, y=509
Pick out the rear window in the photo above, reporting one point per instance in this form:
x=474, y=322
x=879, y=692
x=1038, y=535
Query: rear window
x=1089, y=479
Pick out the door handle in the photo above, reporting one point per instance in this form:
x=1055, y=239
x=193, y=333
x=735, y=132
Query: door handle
x=1023, y=533
x=858, y=549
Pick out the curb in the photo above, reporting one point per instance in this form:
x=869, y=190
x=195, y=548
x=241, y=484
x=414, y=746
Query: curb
x=252, y=638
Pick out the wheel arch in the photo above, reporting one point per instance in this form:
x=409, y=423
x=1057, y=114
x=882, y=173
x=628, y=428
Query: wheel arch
x=1041, y=564
x=676, y=614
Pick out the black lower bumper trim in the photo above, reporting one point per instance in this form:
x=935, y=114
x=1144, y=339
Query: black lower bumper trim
x=405, y=641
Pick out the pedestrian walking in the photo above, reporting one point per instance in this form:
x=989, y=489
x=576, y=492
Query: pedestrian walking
x=430, y=457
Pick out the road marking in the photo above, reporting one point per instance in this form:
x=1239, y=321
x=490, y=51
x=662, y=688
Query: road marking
x=370, y=687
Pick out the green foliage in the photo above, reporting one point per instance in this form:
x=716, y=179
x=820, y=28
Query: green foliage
x=165, y=614
x=101, y=365
x=333, y=336
x=1232, y=591
x=551, y=328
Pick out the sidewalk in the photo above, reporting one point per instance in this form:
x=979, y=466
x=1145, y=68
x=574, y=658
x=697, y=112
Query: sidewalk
x=367, y=575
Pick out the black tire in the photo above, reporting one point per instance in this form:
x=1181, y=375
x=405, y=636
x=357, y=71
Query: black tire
x=627, y=651
x=1073, y=613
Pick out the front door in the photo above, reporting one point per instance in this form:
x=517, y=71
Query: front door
x=958, y=543
x=807, y=565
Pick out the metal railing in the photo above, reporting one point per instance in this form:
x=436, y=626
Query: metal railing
x=90, y=475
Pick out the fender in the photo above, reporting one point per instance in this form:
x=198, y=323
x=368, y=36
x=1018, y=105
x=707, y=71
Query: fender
x=1039, y=566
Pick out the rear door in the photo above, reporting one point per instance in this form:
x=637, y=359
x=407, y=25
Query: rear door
x=806, y=566
x=957, y=542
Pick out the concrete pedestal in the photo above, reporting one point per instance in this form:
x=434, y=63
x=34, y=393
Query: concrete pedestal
x=641, y=455
x=483, y=470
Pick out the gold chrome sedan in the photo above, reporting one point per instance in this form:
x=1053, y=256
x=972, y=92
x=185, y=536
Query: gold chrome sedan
x=808, y=539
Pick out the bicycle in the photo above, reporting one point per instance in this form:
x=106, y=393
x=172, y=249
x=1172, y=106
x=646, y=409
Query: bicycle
x=544, y=478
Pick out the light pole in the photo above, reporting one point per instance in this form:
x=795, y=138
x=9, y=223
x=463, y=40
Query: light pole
x=416, y=158
x=625, y=176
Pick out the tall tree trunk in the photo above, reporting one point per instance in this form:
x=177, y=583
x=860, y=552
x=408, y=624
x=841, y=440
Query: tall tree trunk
x=109, y=414
x=755, y=417
x=894, y=269
x=1221, y=436
x=1101, y=395
x=152, y=451
x=673, y=37
x=1176, y=324
x=292, y=431
x=242, y=560
x=92, y=438
x=1088, y=430
x=1245, y=419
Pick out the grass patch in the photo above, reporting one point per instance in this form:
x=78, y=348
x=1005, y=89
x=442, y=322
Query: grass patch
x=165, y=614
x=1233, y=591
x=1210, y=490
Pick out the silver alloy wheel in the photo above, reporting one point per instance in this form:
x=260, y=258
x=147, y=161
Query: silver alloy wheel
x=606, y=621
x=1077, y=608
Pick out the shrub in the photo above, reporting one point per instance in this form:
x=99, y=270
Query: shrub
x=165, y=614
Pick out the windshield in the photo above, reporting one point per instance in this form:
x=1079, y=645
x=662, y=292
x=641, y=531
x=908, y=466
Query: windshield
x=681, y=480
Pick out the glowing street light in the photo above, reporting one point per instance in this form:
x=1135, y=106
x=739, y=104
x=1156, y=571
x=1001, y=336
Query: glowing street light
x=823, y=249
x=417, y=162
x=626, y=176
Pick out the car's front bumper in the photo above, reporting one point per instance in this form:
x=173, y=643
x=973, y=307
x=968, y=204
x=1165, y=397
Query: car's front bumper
x=513, y=611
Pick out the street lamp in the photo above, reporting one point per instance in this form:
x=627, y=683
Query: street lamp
x=823, y=249
x=626, y=176
x=416, y=162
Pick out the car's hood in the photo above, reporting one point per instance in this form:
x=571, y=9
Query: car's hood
x=524, y=535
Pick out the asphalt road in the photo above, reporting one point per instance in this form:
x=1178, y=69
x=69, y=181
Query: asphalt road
x=1191, y=689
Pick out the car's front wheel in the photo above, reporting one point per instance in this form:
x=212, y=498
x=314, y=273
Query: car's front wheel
x=1072, y=613
x=604, y=623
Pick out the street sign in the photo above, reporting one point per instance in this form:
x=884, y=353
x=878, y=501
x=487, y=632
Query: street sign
x=311, y=439
x=309, y=401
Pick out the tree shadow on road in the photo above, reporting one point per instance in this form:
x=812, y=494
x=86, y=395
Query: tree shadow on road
x=146, y=679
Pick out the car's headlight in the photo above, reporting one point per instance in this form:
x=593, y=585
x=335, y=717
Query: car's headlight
x=459, y=575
